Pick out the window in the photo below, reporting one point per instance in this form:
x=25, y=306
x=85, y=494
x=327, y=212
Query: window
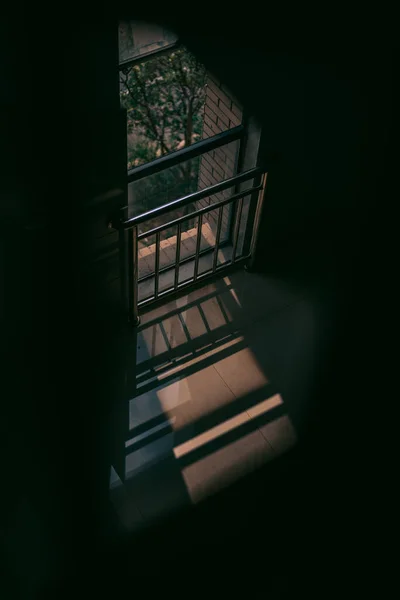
x=172, y=102
x=170, y=99
x=164, y=98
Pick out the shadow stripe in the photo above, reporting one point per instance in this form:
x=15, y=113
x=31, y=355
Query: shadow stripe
x=185, y=372
x=229, y=437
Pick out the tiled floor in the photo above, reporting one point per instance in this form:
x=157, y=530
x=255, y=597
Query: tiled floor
x=220, y=388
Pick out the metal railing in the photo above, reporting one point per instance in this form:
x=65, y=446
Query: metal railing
x=187, y=153
x=129, y=227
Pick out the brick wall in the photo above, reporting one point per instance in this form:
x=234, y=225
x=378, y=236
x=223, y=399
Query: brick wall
x=221, y=112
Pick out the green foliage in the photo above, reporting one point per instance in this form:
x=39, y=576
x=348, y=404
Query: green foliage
x=164, y=98
x=140, y=151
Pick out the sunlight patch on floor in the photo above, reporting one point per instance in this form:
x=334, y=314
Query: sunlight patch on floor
x=225, y=466
x=227, y=426
x=229, y=463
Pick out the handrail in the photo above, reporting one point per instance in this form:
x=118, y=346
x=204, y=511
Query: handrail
x=194, y=197
x=179, y=156
x=201, y=211
x=256, y=193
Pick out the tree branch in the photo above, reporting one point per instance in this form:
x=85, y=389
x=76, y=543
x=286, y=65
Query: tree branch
x=147, y=109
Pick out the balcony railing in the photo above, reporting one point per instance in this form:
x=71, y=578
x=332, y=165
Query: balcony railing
x=187, y=153
x=130, y=228
x=245, y=204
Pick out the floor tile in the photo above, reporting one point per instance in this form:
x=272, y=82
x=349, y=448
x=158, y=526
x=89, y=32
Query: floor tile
x=148, y=455
x=261, y=336
x=159, y=491
x=126, y=509
x=226, y=465
x=264, y=406
x=144, y=408
x=174, y=331
x=258, y=297
x=213, y=315
x=159, y=401
x=208, y=392
x=286, y=348
x=211, y=434
x=280, y=433
x=241, y=372
x=197, y=395
x=177, y=303
x=150, y=343
x=194, y=322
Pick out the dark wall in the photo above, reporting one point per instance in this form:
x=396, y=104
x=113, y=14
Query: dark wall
x=63, y=139
x=316, y=112
x=322, y=92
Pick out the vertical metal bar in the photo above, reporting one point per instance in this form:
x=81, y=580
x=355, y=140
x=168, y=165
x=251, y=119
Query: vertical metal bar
x=129, y=264
x=123, y=266
x=257, y=218
x=217, y=238
x=157, y=266
x=125, y=245
x=177, y=255
x=237, y=229
x=239, y=167
x=250, y=216
x=134, y=270
x=198, y=241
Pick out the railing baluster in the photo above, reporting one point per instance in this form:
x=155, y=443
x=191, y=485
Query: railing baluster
x=247, y=253
x=193, y=198
x=135, y=275
x=196, y=213
x=237, y=229
x=178, y=255
x=257, y=217
x=217, y=238
x=198, y=242
x=157, y=266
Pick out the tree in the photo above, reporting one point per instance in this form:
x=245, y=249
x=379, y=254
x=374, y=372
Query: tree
x=164, y=98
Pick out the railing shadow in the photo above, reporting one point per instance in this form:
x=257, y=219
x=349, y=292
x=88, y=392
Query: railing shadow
x=166, y=502
x=155, y=359
x=186, y=336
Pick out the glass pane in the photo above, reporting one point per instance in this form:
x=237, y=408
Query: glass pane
x=164, y=99
x=138, y=39
x=158, y=189
x=183, y=179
